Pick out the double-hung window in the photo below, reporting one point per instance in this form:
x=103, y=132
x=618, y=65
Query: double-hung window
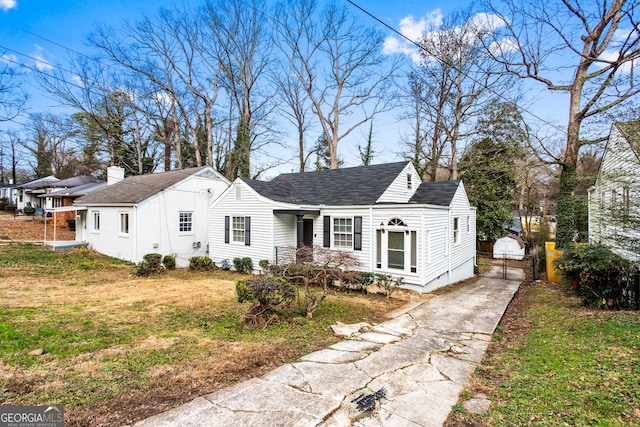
x=124, y=223
x=343, y=233
x=96, y=220
x=238, y=229
x=456, y=231
x=185, y=222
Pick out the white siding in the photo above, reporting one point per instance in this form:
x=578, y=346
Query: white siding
x=363, y=255
x=398, y=192
x=619, y=169
x=262, y=226
x=466, y=248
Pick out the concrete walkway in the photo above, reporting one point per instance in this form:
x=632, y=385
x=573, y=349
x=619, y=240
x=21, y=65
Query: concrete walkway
x=406, y=372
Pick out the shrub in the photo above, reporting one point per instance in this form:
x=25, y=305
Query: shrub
x=169, y=261
x=243, y=265
x=264, y=265
x=201, y=263
x=225, y=265
x=151, y=264
x=10, y=208
x=595, y=273
x=388, y=284
x=3, y=202
x=29, y=210
x=267, y=294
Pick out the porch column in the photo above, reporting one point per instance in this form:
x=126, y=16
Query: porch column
x=299, y=231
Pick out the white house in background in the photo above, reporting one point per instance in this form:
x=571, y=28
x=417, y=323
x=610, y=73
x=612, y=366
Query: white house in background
x=614, y=199
x=164, y=213
x=28, y=193
x=383, y=214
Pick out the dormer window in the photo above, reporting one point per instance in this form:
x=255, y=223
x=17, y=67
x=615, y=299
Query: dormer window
x=409, y=185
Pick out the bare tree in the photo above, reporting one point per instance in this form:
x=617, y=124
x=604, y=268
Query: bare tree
x=340, y=64
x=12, y=99
x=296, y=109
x=453, y=83
x=586, y=51
x=51, y=146
x=238, y=37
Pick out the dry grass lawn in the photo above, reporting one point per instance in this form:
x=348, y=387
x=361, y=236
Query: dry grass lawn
x=117, y=348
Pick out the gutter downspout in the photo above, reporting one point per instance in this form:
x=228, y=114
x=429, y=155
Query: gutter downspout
x=372, y=242
x=449, y=244
x=135, y=240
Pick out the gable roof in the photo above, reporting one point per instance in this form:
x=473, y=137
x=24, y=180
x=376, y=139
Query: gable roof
x=439, y=193
x=135, y=189
x=631, y=132
x=360, y=185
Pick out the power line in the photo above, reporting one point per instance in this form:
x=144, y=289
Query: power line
x=443, y=61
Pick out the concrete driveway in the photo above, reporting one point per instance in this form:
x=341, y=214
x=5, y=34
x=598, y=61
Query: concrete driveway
x=408, y=371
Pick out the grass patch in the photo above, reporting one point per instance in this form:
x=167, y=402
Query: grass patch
x=118, y=348
x=573, y=366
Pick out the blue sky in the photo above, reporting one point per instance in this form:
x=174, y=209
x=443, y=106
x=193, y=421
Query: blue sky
x=36, y=33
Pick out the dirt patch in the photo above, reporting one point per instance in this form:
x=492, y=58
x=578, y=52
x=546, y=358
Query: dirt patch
x=31, y=229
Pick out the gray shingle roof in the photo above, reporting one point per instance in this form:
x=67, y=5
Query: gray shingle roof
x=135, y=189
x=75, y=181
x=435, y=193
x=361, y=185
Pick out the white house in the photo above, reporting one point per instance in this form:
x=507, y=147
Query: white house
x=28, y=193
x=614, y=199
x=383, y=214
x=164, y=213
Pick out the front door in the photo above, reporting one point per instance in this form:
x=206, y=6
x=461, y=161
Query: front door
x=307, y=233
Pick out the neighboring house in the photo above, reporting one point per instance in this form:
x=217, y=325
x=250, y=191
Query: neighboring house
x=59, y=201
x=614, y=199
x=9, y=192
x=382, y=214
x=509, y=247
x=28, y=193
x=164, y=213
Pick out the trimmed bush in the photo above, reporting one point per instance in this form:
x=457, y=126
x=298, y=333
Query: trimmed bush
x=29, y=210
x=201, y=263
x=595, y=273
x=169, y=262
x=10, y=208
x=267, y=294
x=243, y=265
x=151, y=264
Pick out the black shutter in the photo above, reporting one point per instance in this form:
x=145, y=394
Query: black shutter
x=357, y=233
x=247, y=231
x=226, y=229
x=326, y=231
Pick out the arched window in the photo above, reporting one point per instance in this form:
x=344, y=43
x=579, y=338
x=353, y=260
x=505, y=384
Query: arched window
x=396, y=222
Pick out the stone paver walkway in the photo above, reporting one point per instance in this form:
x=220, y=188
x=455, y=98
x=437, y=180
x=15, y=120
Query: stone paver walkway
x=408, y=371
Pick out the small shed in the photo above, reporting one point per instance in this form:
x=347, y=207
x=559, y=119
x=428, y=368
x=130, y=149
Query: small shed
x=510, y=247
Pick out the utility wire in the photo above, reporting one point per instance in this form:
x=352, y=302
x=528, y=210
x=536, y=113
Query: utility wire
x=444, y=62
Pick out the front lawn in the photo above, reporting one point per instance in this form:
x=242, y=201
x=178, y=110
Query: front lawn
x=554, y=362
x=117, y=348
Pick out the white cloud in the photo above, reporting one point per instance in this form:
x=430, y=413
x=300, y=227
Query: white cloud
x=10, y=60
x=412, y=30
x=41, y=62
x=429, y=26
x=7, y=4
